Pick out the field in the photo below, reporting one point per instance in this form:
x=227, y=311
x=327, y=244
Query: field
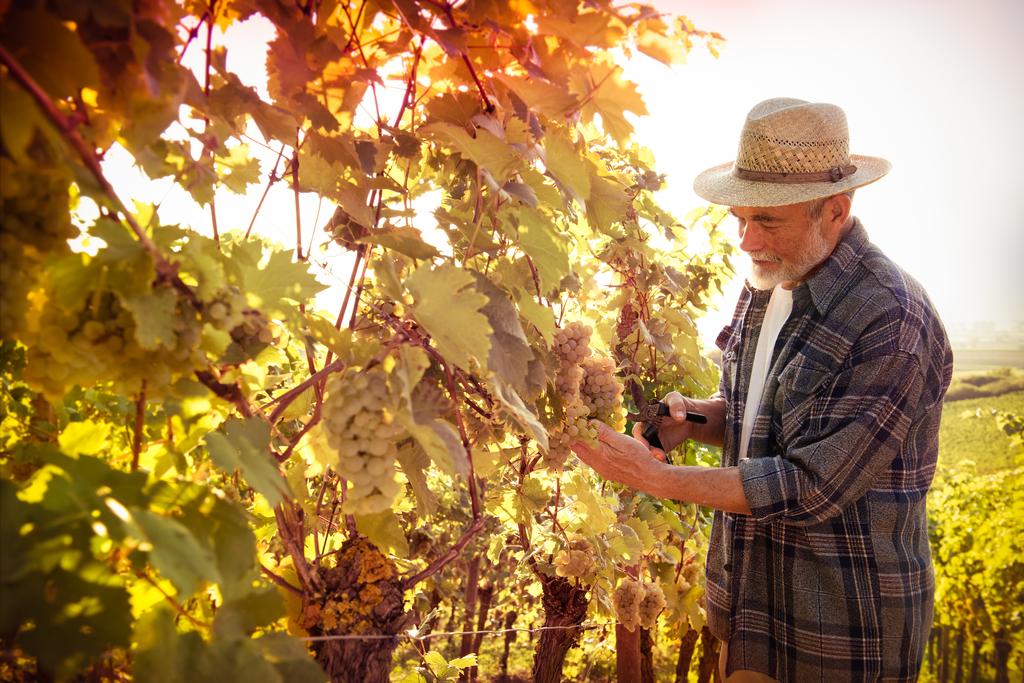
x=966, y=360
x=969, y=432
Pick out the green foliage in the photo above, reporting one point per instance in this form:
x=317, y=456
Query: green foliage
x=969, y=432
x=976, y=508
x=171, y=501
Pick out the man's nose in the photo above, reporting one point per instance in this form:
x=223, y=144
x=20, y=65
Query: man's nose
x=750, y=239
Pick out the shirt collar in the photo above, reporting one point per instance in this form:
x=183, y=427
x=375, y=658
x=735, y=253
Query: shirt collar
x=828, y=282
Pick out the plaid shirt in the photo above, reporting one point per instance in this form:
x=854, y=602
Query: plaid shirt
x=831, y=577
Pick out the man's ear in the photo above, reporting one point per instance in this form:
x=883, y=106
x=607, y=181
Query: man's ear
x=837, y=210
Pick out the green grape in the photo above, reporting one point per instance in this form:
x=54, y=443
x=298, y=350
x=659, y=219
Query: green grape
x=226, y=310
x=626, y=602
x=651, y=605
x=575, y=560
x=359, y=418
x=35, y=222
x=601, y=391
x=572, y=343
x=97, y=343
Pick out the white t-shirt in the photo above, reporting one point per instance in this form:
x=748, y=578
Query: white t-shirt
x=779, y=307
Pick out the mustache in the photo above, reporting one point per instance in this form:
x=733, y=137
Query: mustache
x=764, y=256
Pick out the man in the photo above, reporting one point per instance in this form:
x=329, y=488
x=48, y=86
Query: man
x=833, y=373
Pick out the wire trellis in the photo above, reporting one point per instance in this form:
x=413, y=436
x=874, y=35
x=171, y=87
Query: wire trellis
x=416, y=636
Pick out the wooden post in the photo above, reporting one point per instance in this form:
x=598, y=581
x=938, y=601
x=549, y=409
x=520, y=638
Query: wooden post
x=627, y=655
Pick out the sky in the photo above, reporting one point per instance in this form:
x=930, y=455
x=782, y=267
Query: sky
x=933, y=86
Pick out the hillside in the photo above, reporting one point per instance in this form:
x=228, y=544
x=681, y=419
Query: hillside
x=969, y=431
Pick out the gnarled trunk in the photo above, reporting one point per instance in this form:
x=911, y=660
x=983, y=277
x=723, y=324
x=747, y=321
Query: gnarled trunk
x=708, y=663
x=363, y=595
x=686, y=647
x=646, y=656
x=627, y=655
x=565, y=605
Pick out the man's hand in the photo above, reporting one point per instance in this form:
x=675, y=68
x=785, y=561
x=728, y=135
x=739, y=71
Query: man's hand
x=628, y=461
x=621, y=458
x=674, y=428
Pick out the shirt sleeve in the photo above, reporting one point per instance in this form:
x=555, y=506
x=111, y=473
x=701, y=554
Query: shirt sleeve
x=855, y=427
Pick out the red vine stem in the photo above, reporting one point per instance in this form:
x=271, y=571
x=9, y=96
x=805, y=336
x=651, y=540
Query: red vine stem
x=174, y=603
x=211, y=16
x=295, y=187
x=140, y=415
x=439, y=563
x=285, y=399
x=280, y=581
x=266, y=190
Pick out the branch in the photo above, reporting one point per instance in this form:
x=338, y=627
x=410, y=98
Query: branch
x=295, y=187
x=140, y=415
x=165, y=270
x=228, y=392
x=280, y=581
x=286, y=399
x=174, y=603
x=440, y=562
x=270, y=182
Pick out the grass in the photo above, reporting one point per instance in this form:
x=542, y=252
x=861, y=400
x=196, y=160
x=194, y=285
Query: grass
x=969, y=432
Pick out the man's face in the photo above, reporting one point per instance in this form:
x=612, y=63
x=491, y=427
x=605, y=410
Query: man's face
x=784, y=242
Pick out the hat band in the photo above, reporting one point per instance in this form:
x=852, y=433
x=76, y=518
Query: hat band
x=833, y=175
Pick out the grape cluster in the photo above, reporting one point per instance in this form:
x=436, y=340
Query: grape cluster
x=572, y=343
x=574, y=427
x=691, y=572
x=576, y=560
x=601, y=391
x=35, y=221
x=98, y=341
x=638, y=603
x=359, y=417
x=587, y=388
x=226, y=310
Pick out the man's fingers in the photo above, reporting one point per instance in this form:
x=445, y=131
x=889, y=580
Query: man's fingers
x=638, y=433
x=676, y=406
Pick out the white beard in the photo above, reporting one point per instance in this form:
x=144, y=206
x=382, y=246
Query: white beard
x=817, y=251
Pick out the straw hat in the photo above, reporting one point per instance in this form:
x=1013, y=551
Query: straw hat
x=791, y=151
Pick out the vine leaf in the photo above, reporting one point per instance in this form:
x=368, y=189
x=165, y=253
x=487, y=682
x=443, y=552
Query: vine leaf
x=486, y=149
x=607, y=203
x=84, y=438
x=20, y=117
x=64, y=67
x=540, y=239
x=538, y=316
x=245, y=444
x=612, y=97
x=414, y=463
x=176, y=552
x=566, y=166
x=155, y=318
x=510, y=354
x=437, y=438
x=519, y=412
x=279, y=281
x=385, y=531
x=407, y=241
x=448, y=306
x=545, y=98
x=164, y=655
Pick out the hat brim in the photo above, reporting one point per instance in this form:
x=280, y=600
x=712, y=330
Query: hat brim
x=718, y=185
